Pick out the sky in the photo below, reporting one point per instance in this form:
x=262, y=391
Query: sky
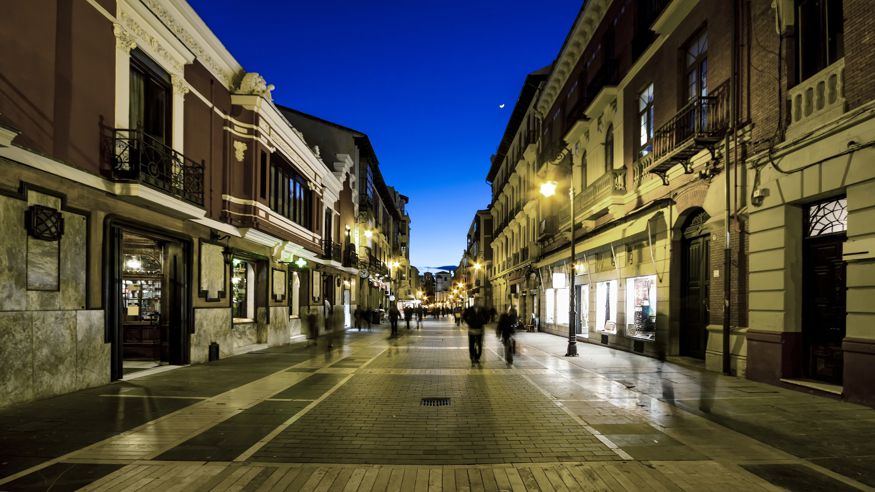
x=424, y=80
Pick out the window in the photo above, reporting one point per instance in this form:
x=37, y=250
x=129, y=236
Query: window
x=696, y=57
x=549, y=305
x=562, y=306
x=150, y=98
x=242, y=290
x=295, y=298
x=583, y=165
x=645, y=119
x=263, y=175
x=290, y=196
x=609, y=149
x=820, y=35
x=830, y=217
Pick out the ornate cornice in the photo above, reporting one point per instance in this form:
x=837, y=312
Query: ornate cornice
x=155, y=46
x=225, y=74
x=180, y=86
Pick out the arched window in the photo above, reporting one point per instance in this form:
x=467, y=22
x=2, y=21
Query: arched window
x=609, y=149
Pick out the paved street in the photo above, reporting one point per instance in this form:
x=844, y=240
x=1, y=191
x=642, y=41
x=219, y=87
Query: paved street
x=353, y=418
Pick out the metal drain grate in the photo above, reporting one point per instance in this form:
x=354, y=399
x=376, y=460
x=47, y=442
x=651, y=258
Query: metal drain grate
x=435, y=402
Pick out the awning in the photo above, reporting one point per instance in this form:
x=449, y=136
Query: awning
x=618, y=234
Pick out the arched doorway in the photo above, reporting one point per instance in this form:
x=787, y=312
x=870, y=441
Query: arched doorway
x=695, y=286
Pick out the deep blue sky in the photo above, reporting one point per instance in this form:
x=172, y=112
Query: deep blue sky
x=424, y=80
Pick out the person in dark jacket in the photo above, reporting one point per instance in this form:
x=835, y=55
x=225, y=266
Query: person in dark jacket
x=476, y=318
x=507, y=324
x=394, y=314
x=408, y=315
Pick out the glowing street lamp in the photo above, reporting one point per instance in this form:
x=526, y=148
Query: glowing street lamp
x=369, y=233
x=548, y=189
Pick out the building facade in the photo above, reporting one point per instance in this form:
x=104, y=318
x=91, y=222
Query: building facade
x=718, y=210
x=159, y=208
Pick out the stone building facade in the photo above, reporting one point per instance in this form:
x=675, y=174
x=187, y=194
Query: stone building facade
x=717, y=160
x=158, y=207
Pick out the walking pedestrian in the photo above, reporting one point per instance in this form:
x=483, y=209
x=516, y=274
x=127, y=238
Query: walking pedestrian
x=394, y=314
x=507, y=324
x=408, y=315
x=357, y=316
x=420, y=312
x=312, y=322
x=475, y=317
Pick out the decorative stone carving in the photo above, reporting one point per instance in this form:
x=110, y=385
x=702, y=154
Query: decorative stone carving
x=212, y=271
x=317, y=151
x=253, y=83
x=124, y=39
x=155, y=45
x=240, y=150
x=182, y=32
x=180, y=86
x=279, y=285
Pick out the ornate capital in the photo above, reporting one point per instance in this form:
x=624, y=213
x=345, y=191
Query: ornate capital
x=180, y=86
x=240, y=150
x=124, y=39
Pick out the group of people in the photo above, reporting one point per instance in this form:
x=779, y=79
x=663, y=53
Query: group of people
x=477, y=317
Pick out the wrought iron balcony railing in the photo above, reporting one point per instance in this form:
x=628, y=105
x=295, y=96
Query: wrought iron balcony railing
x=136, y=156
x=698, y=125
x=332, y=250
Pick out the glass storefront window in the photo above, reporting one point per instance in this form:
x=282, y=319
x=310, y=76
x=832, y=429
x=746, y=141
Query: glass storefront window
x=242, y=290
x=549, y=305
x=583, y=312
x=606, y=307
x=562, y=306
x=641, y=307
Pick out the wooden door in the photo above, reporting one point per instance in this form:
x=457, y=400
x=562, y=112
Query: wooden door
x=694, y=293
x=824, y=288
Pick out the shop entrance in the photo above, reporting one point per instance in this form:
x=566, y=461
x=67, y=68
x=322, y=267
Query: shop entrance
x=824, y=291
x=694, y=287
x=150, y=279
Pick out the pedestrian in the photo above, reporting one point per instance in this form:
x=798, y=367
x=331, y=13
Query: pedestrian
x=457, y=314
x=492, y=314
x=369, y=314
x=420, y=312
x=394, y=314
x=507, y=324
x=312, y=322
x=357, y=316
x=408, y=315
x=475, y=317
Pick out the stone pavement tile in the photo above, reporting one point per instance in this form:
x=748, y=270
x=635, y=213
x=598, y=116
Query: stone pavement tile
x=858, y=468
x=62, y=476
x=797, y=477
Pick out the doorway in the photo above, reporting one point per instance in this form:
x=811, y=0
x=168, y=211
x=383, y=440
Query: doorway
x=695, y=285
x=824, y=291
x=148, y=307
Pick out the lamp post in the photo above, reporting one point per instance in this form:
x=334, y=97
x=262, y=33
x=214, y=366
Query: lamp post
x=549, y=189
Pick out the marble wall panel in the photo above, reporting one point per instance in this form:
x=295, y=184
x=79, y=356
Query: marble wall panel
x=278, y=330
x=210, y=325
x=54, y=352
x=43, y=269
x=37, y=198
x=16, y=357
x=39, y=300
x=13, y=255
x=295, y=327
x=242, y=335
x=73, y=261
x=92, y=354
x=262, y=328
x=212, y=270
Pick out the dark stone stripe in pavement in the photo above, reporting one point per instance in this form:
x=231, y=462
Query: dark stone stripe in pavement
x=231, y=438
x=35, y=432
x=61, y=477
x=310, y=388
x=797, y=477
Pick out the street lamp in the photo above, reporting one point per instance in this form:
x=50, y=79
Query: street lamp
x=549, y=189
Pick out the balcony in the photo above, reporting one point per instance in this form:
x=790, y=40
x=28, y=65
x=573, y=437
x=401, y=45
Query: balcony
x=547, y=227
x=524, y=254
x=700, y=124
x=600, y=194
x=332, y=250
x=818, y=99
x=138, y=157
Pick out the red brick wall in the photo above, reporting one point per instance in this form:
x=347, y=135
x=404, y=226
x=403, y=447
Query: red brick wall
x=764, y=102
x=859, y=52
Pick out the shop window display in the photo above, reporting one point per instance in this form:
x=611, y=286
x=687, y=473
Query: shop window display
x=641, y=307
x=606, y=307
x=242, y=289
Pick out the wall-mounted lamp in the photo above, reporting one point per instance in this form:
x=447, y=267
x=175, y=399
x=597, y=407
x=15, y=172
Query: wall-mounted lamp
x=369, y=233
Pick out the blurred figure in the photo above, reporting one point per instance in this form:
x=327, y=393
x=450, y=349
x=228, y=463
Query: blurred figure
x=312, y=324
x=357, y=316
x=475, y=317
x=420, y=312
x=394, y=314
x=507, y=324
x=408, y=315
